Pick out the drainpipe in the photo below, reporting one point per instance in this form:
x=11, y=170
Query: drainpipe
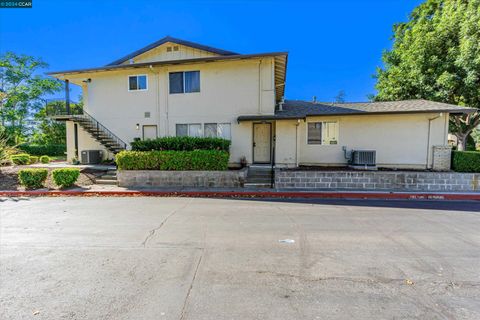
x=259, y=87
x=428, y=138
x=67, y=96
x=157, y=97
x=296, y=142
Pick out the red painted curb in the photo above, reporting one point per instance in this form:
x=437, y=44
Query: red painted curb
x=247, y=194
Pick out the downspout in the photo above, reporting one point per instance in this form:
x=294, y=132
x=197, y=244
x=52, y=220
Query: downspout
x=428, y=138
x=157, y=97
x=296, y=143
x=259, y=87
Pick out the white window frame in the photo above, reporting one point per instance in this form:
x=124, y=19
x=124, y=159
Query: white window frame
x=188, y=128
x=183, y=84
x=217, y=124
x=137, y=75
x=323, y=122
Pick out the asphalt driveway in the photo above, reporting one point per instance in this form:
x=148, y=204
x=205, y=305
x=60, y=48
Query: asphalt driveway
x=180, y=258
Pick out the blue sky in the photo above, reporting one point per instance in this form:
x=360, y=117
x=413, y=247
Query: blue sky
x=332, y=45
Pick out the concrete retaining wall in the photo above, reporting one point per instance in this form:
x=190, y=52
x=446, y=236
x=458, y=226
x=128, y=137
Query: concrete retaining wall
x=154, y=178
x=378, y=180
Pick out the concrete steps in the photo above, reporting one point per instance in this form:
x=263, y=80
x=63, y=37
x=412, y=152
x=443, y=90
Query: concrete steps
x=109, y=178
x=259, y=177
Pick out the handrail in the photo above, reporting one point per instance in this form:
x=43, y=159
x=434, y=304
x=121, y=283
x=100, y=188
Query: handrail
x=77, y=112
x=100, y=126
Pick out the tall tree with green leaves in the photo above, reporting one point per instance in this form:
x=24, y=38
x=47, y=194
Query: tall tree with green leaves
x=21, y=91
x=436, y=56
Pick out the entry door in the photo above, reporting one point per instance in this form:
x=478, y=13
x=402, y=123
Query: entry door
x=261, y=142
x=149, y=132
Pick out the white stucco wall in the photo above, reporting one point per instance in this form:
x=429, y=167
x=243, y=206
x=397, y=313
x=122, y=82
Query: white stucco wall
x=228, y=89
x=400, y=140
x=85, y=142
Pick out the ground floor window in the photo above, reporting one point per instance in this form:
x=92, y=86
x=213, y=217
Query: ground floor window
x=325, y=132
x=189, y=129
x=218, y=130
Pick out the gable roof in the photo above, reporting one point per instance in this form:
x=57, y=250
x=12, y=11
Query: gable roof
x=298, y=109
x=174, y=40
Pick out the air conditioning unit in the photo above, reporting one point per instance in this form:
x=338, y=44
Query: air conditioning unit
x=364, y=158
x=91, y=156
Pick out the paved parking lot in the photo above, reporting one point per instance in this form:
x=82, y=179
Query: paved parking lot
x=180, y=258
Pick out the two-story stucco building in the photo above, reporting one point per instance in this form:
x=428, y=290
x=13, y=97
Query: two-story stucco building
x=175, y=87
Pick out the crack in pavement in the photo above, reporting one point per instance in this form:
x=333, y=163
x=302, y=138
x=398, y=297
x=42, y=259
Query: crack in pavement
x=152, y=232
x=185, y=302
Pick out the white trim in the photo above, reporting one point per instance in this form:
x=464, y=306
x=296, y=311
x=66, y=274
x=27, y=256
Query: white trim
x=137, y=75
x=321, y=142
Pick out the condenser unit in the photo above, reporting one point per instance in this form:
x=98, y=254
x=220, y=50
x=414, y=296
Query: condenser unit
x=91, y=156
x=364, y=158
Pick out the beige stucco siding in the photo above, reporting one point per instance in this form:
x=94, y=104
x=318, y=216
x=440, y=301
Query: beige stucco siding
x=227, y=90
x=400, y=140
x=85, y=142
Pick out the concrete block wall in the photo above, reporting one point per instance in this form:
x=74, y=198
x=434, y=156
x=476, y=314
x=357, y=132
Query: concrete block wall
x=442, y=158
x=377, y=180
x=201, y=179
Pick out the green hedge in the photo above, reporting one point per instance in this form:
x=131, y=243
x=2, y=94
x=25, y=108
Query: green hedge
x=44, y=159
x=20, y=159
x=173, y=160
x=47, y=149
x=65, y=177
x=181, y=144
x=466, y=161
x=33, y=159
x=32, y=178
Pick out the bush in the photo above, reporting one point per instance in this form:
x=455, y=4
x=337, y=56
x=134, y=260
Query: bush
x=466, y=161
x=172, y=160
x=47, y=149
x=44, y=159
x=33, y=159
x=181, y=144
x=21, y=158
x=65, y=177
x=32, y=178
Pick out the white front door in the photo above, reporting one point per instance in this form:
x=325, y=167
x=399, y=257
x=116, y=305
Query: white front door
x=261, y=142
x=149, y=132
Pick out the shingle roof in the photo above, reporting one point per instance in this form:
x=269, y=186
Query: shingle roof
x=174, y=40
x=297, y=109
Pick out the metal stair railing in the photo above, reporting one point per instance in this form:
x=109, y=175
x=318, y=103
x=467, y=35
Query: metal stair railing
x=101, y=128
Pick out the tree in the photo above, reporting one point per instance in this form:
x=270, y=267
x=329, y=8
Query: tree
x=49, y=131
x=21, y=90
x=436, y=56
x=340, y=97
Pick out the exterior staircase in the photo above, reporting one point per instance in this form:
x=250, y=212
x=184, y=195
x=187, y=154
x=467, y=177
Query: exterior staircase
x=97, y=130
x=109, y=178
x=259, y=177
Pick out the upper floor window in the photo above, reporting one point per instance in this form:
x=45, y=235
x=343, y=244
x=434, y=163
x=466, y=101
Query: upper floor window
x=138, y=82
x=322, y=132
x=184, y=82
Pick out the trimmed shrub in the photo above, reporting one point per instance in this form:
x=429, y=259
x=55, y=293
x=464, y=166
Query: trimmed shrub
x=20, y=159
x=466, y=161
x=209, y=160
x=65, y=177
x=32, y=178
x=181, y=144
x=33, y=159
x=44, y=159
x=47, y=149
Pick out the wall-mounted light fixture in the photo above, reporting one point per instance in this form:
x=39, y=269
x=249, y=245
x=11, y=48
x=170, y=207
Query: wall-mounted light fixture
x=137, y=126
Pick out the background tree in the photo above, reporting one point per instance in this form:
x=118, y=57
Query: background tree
x=21, y=89
x=49, y=131
x=436, y=56
x=340, y=97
